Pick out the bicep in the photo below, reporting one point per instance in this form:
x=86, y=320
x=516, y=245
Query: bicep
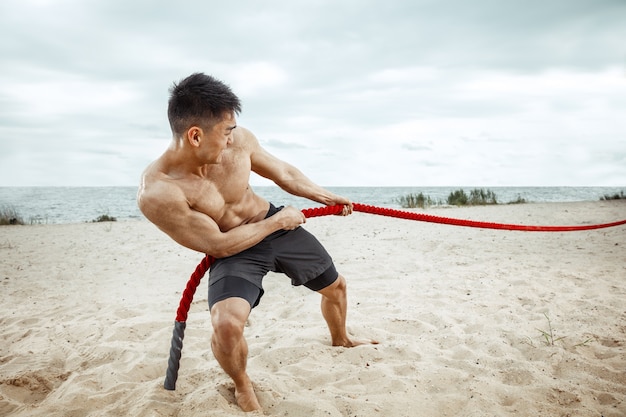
x=186, y=226
x=194, y=230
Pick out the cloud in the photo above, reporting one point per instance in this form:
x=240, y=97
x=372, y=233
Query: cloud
x=416, y=147
x=279, y=144
x=256, y=78
x=352, y=92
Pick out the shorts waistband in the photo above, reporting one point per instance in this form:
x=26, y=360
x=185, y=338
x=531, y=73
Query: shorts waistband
x=273, y=210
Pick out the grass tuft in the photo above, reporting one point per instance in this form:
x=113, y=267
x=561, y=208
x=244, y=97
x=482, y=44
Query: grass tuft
x=476, y=197
x=10, y=216
x=104, y=218
x=615, y=196
x=549, y=334
x=518, y=200
x=415, y=200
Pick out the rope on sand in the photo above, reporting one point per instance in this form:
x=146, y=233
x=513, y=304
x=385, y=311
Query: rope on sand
x=183, y=308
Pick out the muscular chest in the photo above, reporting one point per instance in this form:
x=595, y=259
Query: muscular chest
x=223, y=187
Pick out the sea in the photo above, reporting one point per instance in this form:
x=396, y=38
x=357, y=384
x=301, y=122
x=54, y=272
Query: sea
x=58, y=205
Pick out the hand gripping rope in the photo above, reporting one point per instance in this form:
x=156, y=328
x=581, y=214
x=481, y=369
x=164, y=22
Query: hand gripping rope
x=183, y=308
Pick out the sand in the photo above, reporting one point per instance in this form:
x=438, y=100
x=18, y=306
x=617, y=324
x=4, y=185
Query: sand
x=463, y=316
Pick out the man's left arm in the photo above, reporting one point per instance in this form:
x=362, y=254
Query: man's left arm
x=290, y=178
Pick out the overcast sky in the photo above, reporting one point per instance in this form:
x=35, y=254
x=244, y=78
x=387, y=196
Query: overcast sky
x=358, y=92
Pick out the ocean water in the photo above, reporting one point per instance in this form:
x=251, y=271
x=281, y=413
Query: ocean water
x=52, y=205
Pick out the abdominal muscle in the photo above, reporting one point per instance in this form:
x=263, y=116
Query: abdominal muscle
x=251, y=208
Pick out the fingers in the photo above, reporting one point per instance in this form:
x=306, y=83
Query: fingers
x=293, y=218
x=346, y=210
x=301, y=218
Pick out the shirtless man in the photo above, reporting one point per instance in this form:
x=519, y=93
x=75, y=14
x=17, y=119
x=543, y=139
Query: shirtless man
x=198, y=193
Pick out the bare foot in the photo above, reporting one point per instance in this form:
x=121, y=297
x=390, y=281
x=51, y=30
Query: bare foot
x=246, y=398
x=352, y=343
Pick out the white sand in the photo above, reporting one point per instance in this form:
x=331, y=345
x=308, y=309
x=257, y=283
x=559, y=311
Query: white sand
x=87, y=314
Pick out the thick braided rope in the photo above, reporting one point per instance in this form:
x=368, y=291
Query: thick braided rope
x=207, y=261
x=471, y=223
x=190, y=289
x=176, y=348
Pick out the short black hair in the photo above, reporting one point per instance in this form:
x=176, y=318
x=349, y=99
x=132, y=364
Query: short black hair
x=200, y=100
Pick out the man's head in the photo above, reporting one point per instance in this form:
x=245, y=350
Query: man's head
x=199, y=100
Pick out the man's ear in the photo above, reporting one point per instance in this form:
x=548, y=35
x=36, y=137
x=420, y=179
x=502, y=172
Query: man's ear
x=194, y=134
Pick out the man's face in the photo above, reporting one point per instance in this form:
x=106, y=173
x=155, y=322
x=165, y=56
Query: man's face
x=220, y=136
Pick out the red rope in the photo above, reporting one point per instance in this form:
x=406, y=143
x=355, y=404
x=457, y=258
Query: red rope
x=207, y=261
x=190, y=289
x=471, y=223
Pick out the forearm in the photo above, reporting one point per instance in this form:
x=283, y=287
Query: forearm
x=247, y=235
x=296, y=183
x=290, y=178
x=241, y=237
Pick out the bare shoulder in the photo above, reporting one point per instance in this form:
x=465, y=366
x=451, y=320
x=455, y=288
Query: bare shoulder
x=262, y=161
x=245, y=138
x=157, y=195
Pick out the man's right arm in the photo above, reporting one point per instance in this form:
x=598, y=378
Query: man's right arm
x=167, y=208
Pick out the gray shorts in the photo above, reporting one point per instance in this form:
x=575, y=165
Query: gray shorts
x=296, y=253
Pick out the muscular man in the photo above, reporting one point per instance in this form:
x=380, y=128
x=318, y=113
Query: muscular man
x=198, y=193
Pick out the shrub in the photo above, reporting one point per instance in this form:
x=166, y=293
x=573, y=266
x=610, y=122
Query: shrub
x=518, y=200
x=9, y=216
x=104, y=218
x=458, y=198
x=615, y=196
x=482, y=197
x=477, y=197
x=415, y=200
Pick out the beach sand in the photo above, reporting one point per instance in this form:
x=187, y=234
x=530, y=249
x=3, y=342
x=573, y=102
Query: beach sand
x=463, y=316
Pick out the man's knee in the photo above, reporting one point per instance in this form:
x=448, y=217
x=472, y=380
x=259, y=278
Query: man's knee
x=336, y=290
x=228, y=318
x=342, y=285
